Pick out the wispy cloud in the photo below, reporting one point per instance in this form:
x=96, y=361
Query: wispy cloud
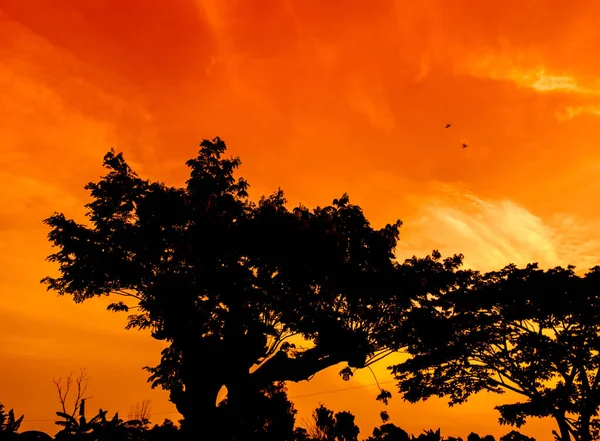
x=492, y=234
x=524, y=71
x=571, y=112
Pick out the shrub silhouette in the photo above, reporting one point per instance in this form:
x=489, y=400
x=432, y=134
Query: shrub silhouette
x=516, y=436
x=273, y=419
x=8, y=422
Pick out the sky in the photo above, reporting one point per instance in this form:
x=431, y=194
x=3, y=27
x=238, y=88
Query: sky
x=318, y=98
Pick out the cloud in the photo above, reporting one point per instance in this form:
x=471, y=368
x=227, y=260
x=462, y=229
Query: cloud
x=525, y=69
x=369, y=100
x=571, y=112
x=494, y=233
x=577, y=93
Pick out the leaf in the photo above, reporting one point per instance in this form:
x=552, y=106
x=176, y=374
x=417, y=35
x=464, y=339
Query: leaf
x=346, y=373
x=384, y=396
x=117, y=306
x=69, y=419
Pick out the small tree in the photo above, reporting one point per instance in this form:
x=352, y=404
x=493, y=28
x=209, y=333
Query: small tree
x=330, y=426
x=70, y=385
x=270, y=416
x=140, y=412
x=516, y=436
x=8, y=422
x=389, y=432
x=165, y=431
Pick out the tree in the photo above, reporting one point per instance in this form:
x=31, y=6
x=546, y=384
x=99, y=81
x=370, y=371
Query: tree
x=330, y=426
x=270, y=416
x=475, y=437
x=516, y=436
x=166, y=431
x=9, y=425
x=140, y=411
x=389, y=432
x=533, y=332
x=226, y=282
x=64, y=392
x=429, y=435
x=34, y=435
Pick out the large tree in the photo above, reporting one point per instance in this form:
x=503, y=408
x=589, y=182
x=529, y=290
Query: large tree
x=533, y=332
x=226, y=281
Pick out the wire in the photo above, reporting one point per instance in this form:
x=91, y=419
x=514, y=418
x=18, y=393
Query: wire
x=342, y=389
x=333, y=391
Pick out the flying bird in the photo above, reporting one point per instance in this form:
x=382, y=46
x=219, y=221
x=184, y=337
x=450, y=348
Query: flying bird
x=464, y=145
x=447, y=126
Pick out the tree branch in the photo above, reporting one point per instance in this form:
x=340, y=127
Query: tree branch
x=281, y=367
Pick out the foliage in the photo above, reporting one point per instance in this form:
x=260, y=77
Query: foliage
x=270, y=415
x=389, y=432
x=226, y=281
x=533, y=332
x=516, y=436
x=273, y=419
x=330, y=426
x=8, y=422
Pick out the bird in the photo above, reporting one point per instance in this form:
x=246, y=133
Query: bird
x=464, y=145
x=447, y=126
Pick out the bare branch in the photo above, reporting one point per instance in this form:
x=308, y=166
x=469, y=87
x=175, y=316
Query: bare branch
x=123, y=293
x=64, y=389
x=140, y=411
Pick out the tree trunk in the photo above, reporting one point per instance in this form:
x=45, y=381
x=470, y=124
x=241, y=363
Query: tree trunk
x=584, y=428
x=563, y=426
x=198, y=405
x=239, y=396
x=201, y=374
x=281, y=367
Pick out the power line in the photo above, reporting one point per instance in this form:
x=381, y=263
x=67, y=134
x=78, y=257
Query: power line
x=342, y=389
x=332, y=391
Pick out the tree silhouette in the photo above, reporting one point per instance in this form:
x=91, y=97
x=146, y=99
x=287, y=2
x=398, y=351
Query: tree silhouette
x=475, y=437
x=389, y=432
x=430, y=435
x=9, y=425
x=77, y=428
x=330, y=426
x=8, y=422
x=166, y=431
x=64, y=392
x=270, y=416
x=226, y=282
x=516, y=436
x=34, y=435
x=529, y=331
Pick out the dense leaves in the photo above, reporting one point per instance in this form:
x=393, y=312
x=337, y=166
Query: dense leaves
x=249, y=294
x=226, y=282
x=525, y=330
x=8, y=422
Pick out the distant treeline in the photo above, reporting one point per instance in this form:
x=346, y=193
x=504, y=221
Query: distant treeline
x=273, y=421
x=230, y=284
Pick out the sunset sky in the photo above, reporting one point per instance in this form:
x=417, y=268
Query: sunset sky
x=318, y=98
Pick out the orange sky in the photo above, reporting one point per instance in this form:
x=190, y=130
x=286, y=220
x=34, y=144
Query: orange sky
x=318, y=98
